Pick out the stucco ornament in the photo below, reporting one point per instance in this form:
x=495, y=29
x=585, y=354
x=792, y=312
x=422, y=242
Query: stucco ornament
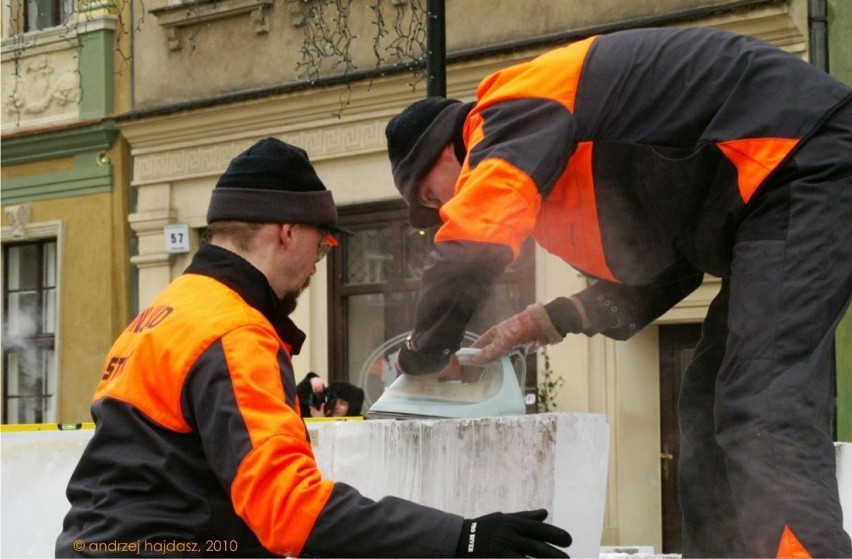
x=41, y=86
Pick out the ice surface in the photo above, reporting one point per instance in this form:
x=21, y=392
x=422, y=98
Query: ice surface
x=556, y=461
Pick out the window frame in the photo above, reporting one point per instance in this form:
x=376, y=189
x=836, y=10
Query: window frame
x=62, y=13
x=36, y=233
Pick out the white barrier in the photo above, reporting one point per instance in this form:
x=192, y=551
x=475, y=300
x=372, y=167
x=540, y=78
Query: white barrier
x=471, y=467
x=35, y=469
x=466, y=466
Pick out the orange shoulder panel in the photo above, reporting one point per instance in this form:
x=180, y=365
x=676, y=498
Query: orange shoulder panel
x=790, y=546
x=568, y=224
x=497, y=203
x=148, y=363
x=537, y=76
x=754, y=159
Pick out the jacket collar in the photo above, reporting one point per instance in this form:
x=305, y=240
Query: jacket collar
x=249, y=283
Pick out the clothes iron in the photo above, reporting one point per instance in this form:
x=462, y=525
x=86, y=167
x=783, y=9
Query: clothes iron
x=483, y=391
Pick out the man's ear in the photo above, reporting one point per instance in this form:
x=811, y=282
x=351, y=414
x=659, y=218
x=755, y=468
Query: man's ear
x=285, y=234
x=449, y=152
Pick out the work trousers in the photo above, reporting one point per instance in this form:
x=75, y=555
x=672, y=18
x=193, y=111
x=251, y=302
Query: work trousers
x=757, y=462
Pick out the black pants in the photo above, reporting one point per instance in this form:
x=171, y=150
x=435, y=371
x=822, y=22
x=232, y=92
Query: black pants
x=756, y=402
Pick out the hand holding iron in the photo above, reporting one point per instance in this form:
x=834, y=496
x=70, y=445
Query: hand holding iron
x=519, y=534
x=528, y=330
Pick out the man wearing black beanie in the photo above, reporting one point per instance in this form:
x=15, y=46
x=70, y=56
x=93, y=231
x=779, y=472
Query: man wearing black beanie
x=199, y=447
x=646, y=159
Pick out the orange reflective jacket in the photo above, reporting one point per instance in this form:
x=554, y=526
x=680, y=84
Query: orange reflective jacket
x=199, y=440
x=632, y=156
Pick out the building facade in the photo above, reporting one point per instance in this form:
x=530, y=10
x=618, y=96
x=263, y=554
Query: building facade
x=65, y=198
x=210, y=78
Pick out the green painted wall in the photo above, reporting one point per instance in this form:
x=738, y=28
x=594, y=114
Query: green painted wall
x=840, y=66
x=96, y=74
x=840, y=39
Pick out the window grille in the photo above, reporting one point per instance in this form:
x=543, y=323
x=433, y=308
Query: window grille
x=29, y=331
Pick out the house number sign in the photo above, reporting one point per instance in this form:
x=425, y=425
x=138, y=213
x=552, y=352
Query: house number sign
x=177, y=238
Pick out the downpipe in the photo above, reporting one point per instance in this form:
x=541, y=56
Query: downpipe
x=818, y=34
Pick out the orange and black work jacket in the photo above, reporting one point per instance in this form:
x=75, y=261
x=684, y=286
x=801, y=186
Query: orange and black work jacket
x=199, y=447
x=633, y=157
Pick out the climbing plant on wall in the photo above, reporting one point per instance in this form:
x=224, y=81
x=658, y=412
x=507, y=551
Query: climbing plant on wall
x=549, y=387
x=399, y=40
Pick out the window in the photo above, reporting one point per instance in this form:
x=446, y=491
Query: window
x=374, y=281
x=29, y=331
x=41, y=14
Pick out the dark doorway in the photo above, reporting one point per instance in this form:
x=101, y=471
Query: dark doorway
x=677, y=343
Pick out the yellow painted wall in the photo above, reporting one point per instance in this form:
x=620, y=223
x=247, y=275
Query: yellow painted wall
x=94, y=291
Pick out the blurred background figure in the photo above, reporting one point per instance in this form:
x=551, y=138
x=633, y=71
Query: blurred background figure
x=317, y=398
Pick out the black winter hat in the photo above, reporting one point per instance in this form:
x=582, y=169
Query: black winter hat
x=353, y=395
x=273, y=182
x=415, y=138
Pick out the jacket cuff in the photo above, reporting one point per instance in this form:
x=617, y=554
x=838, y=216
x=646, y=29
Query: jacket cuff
x=541, y=316
x=564, y=316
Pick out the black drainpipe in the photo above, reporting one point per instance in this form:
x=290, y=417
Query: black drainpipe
x=436, y=47
x=818, y=31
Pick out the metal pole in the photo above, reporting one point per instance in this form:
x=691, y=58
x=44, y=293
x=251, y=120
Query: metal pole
x=436, y=47
x=818, y=28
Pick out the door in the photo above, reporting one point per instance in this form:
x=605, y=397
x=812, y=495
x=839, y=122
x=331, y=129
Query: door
x=677, y=343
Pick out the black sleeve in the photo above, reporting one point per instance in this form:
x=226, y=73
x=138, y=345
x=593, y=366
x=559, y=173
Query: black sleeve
x=390, y=527
x=619, y=311
x=456, y=280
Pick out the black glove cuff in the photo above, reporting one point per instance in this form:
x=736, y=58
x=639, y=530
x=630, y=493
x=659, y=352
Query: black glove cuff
x=465, y=545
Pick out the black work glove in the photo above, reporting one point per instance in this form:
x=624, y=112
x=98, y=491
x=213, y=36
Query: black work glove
x=519, y=534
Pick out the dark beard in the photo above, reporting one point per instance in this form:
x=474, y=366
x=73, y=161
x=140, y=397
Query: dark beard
x=291, y=298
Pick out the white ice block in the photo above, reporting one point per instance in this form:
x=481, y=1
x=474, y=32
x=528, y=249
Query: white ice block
x=556, y=461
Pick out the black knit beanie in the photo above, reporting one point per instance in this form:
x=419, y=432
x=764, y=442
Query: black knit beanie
x=273, y=182
x=415, y=138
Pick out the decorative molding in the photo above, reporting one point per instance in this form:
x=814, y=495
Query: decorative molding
x=63, y=143
x=211, y=160
x=58, y=38
x=177, y=16
x=92, y=172
x=297, y=9
x=84, y=180
x=42, y=85
x=32, y=231
x=18, y=217
x=259, y=20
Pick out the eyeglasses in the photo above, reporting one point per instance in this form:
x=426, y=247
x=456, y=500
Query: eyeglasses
x=327, y=240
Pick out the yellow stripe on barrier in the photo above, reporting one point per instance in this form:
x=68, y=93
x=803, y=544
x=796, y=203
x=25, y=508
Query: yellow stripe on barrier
x=327, y=419
x=25, y=427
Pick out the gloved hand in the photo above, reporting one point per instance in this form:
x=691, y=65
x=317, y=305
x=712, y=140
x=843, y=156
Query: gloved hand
x=529, y=329
x=519, y=534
